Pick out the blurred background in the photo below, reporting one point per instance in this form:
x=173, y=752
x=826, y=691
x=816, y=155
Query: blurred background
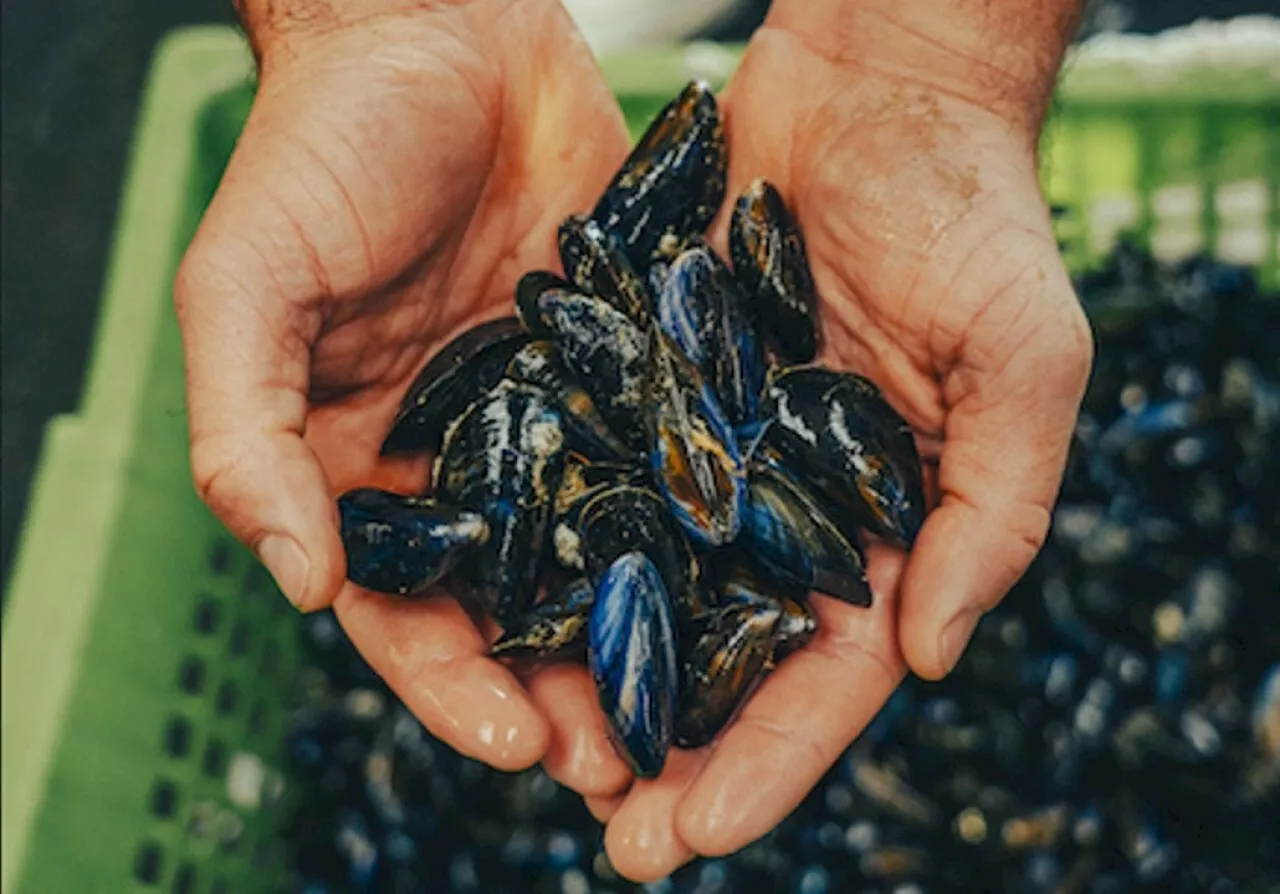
x=1115, y=726
x=71, y=75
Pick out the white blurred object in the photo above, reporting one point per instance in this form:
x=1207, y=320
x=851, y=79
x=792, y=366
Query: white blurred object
x=1246, y=42
x=616, y=25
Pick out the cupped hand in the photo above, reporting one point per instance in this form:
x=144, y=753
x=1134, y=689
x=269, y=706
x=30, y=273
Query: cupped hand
x=397, y=174
x=940, y=279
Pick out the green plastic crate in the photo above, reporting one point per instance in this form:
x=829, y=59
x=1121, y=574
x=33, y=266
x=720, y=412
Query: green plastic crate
x=147, y=659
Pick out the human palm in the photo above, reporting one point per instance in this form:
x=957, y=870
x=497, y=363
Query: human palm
x=391, y=185
x=393, y=182
x=940, y=279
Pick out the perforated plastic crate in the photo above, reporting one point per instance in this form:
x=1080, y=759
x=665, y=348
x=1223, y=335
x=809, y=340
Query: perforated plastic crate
x=147, y=660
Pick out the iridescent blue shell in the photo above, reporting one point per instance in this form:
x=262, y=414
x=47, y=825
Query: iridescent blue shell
x=703, y=311
x=402, y=544
x=695, y=451
x=632, y=655
x=787, y=531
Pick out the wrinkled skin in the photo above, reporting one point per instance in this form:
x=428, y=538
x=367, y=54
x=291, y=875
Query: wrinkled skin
x=350, y=239
x=396, y=177
x=933, y=254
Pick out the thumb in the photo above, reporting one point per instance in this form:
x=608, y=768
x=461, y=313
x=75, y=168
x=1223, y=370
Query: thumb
x=244, y=299
x=1013, y=401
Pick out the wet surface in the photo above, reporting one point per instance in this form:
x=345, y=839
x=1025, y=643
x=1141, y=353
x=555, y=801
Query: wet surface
x=71, y=74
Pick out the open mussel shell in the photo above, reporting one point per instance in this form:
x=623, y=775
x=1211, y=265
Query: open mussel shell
x=503, y=459
x=769, y=258
x=702, y=310
x=538, y=363
x=402, y=545
x=695, y=452
x=672, y=183
x=606, y=352
x=594, y=259
x=786, y=530
x=838, y=435
x=452, y=380
x=555, y=626
x=632, y=656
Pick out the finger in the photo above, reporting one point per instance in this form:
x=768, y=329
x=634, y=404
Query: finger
x=641, y=839
x=604, y=808
x=579, y=755
x=242, y=298
x=1014, y=401
x=433, y=658
x=798, y=722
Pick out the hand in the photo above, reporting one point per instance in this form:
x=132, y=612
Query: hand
x=399, y=171
x=940, y=278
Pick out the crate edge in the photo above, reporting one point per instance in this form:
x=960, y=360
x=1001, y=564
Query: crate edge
x=189, y=67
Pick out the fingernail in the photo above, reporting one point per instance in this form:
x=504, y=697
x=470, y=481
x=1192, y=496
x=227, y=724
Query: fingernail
x=955, y=636
x=288, y=564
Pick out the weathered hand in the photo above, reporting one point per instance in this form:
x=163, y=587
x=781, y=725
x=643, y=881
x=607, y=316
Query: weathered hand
x=400, y=169
x=932, y=250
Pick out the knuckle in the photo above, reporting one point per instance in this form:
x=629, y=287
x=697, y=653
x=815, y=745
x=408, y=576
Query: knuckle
x=214, y=472
x=1027, y=528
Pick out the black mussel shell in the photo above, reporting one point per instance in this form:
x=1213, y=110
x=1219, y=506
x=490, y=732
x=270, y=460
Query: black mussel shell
x=839, y=437
x=555, y=626
x=582, y=480
x=605, y=351
x=538, y=363
x=503, y=459
x=597, y=264
x=723, y=667
x=703, y=311
x=769, y=258
x=632, y=656
x=403, y=544
x=625, y=518
x=672, y=183
x=737, y=581
x=452, y=380
x=696, y=460
x=787, y=531
x=796, y=627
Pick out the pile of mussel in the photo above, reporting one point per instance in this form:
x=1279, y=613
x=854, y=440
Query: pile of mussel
x=1113, y=727
x=645, y=463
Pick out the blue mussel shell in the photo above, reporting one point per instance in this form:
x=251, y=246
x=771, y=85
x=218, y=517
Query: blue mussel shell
x=401, y=544
x=632, y=653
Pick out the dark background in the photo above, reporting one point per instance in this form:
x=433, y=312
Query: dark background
x=70, y=76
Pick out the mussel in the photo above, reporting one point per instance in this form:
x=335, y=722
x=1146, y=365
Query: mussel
x=503, y=458
x=695, y=451
x=769, y=258
x=599, y=344
x=672, y=183
x=837, y=431
x=458, y=375
x=401, y=544
x=632, y=656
